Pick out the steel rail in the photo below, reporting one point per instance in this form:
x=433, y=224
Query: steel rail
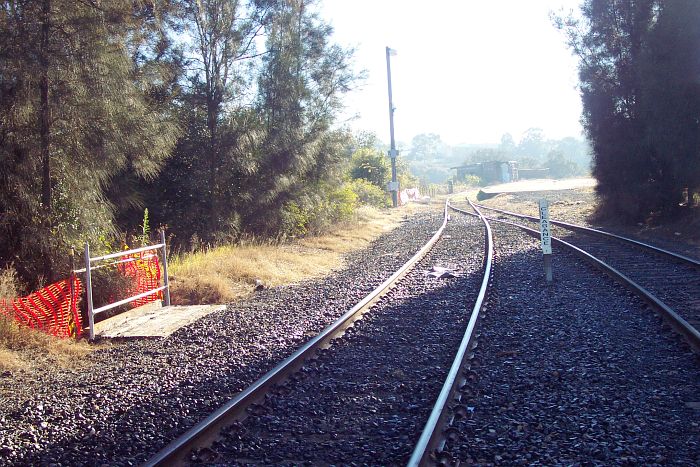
x=127, y=252
x=680, y=325
x=101, y=309
x=207, y=430
x=115, y=263
x=585, y=229
x=432, y=434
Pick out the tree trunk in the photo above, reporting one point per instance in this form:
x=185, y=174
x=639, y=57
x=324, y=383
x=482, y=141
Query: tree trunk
x=212, y=118
x=45, y=132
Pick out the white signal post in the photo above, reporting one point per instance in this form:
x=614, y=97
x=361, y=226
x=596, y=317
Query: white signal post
x=394, y=184
x=546, y=238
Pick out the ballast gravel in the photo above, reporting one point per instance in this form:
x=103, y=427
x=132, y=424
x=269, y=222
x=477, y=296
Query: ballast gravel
x=575, y=373
x=365, y=400
x=577, y=206
x=129, y=400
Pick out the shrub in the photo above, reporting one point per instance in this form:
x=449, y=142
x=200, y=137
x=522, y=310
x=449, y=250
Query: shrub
x=9, y=284
x=108, y=286
x=370, y=165
x=473, y=180
x=338, y=206
x=369, y=194
x=342, y=203
x=295, y=220
x=315, y=213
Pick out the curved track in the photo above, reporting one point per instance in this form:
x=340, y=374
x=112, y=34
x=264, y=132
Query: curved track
x=288, y=396
x=601, y=233
x=433, y=435
x=668, y=281
x=572, y=372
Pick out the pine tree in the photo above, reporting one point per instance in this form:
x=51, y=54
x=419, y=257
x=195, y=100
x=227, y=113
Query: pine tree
x=303, y=79
x=224, y=46
x=670, y=104
x=158, y=70
x=639, y=72
x=73, y=114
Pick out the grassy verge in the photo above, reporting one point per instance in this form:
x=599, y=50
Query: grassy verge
x=224, y=274
x=22, y=347
x=219, y=275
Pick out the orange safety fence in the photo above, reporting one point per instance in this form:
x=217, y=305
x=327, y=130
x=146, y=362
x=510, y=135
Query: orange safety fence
x=144, y=270
x=52, y=309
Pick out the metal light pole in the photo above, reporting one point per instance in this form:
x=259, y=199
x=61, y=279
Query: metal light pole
x=394, y=185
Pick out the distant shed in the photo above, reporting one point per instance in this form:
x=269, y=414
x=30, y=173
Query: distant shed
x=490, y=171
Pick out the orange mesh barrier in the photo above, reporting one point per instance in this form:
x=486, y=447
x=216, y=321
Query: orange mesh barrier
x=145, y=273
x=52, y=309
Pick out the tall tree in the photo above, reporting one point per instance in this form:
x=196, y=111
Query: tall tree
x=575, y=149
x=426, y=146
x=638, y=72
x=224, y=35
x=72, y=113
x=507, y=144
x=533, y=144
x=669, y=102
x=303, y=78
x=158, y=70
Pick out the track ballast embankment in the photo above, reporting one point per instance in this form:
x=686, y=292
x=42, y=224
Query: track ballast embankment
x=579, y=371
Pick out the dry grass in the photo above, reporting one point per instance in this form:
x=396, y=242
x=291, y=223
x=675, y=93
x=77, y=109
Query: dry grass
x=575, y=205
x=369, y=224
x=219, y=275
x=9, y=284
x=223, y=274
x=22, y=347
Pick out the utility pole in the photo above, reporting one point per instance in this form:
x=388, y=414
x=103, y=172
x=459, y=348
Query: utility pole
x=394, y=185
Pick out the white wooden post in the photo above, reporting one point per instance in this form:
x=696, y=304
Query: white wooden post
x=166, y=283
x=88, y=287
x=546, y=238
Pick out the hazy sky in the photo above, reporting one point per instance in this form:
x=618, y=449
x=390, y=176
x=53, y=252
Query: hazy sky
x=468, y=70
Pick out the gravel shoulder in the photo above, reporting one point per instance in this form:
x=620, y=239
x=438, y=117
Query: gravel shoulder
x=366, y=399
x=128, y=400
x=576, y=373
x=578, y=205
x=584, y=374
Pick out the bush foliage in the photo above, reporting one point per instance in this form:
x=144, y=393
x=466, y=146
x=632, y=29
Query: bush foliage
x=217, y=117
x=370, y=194
x=640, y=86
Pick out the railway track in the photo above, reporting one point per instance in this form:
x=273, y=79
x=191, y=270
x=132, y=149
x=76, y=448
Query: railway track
x=571, y=372
x=668, y=281
x=368, y=395
x=366, y=398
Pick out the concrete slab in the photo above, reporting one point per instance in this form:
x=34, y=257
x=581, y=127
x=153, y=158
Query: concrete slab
x=152, y=320
x=539, y=185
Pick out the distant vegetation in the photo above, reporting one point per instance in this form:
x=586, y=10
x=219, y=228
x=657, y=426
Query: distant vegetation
x=219, y=117
x=640, y=84
x=430, y=158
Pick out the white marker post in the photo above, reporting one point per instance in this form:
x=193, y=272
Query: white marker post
x=546, y=238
